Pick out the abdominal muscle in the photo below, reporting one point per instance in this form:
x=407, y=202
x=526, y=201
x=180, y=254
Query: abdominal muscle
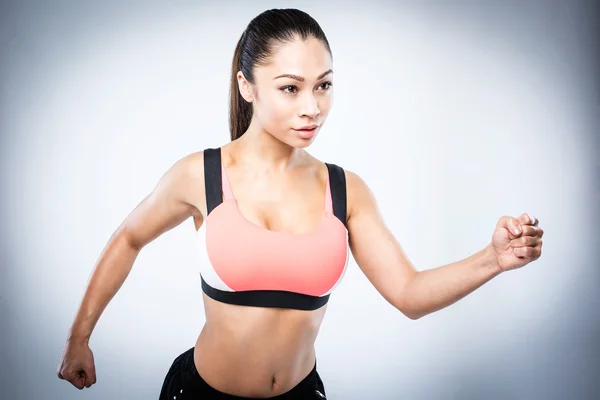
x=254, y=351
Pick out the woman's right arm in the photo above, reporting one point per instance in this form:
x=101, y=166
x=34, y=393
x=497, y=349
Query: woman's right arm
x=175, y=198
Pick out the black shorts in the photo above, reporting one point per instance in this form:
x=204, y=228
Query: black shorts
x=183, y=382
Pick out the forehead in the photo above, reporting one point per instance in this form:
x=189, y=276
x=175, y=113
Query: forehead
x=308, y=58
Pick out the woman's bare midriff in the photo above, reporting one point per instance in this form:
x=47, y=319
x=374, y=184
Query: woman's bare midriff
x=253, y=351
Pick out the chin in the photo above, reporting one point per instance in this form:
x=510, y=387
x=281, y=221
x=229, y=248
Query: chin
x=295, y=141
x=302, y=143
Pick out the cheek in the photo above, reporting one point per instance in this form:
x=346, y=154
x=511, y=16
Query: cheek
x=325, y=104
x=276, y=110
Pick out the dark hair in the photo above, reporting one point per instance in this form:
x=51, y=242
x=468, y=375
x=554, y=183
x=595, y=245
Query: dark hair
x=263, y=33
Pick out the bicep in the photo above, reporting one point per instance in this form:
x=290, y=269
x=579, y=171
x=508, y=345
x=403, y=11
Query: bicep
x=167, y=206
x=375, y=249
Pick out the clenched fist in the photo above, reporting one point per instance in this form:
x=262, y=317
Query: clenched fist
x=517, y=241
x=77, y=364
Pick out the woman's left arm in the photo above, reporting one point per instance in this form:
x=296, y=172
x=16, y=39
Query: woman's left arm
x=515, y=243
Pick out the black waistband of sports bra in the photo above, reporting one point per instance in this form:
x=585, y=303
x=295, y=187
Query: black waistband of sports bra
x=266, y=298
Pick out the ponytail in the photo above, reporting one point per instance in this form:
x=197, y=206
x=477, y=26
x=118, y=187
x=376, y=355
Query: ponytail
x=240, y=111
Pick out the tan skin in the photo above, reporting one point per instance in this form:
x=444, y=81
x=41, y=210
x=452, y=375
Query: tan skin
x=263, y=352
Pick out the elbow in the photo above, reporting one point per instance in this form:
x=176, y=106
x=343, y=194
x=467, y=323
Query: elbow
x=405, y=301
x=409, y=310
x=411, y=315
x=123, y=236
x=415, y=317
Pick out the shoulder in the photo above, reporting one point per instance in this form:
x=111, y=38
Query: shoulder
x=190, y=166
x=184, y=180
x=355, y=185
x=359, y=196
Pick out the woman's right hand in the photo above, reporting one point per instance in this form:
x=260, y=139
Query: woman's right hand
x=173, y=200
x=77, y=364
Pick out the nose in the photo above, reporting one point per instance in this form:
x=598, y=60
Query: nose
x=309, y=106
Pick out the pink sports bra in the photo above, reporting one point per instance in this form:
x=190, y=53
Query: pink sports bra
x=246, y=264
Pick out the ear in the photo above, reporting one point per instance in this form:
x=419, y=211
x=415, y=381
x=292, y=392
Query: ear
x=245, y=87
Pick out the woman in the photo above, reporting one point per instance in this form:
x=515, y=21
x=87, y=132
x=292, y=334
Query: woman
x=275, y=225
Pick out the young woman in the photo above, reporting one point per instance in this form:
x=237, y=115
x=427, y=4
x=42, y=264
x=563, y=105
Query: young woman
x=275, y=225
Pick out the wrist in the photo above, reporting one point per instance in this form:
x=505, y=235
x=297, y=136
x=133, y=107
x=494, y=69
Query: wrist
x=492, y=260
x=75, y=337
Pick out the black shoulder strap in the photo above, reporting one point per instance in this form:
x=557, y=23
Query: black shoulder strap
x=212, y=178
x=214, y=189
x=337, y=183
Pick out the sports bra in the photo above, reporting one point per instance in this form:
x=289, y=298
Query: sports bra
x=245, y=264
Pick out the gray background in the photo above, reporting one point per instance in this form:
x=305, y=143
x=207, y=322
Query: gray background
x=454, y=112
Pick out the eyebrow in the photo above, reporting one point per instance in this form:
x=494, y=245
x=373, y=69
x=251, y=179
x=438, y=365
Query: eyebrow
x=301, y=79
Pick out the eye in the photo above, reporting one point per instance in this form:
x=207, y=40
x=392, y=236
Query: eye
x=328, y=83
x=289, y=87
x=293, y=89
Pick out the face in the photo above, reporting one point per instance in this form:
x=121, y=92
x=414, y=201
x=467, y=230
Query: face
x=293, y=91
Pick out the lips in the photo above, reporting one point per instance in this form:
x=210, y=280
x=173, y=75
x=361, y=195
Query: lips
x=308, y=127
x=307, y=132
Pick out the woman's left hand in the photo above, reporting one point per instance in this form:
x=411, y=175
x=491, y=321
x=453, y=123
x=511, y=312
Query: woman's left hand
x=516, y=241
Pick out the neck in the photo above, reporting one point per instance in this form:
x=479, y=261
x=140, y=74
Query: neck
x=259, y=147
